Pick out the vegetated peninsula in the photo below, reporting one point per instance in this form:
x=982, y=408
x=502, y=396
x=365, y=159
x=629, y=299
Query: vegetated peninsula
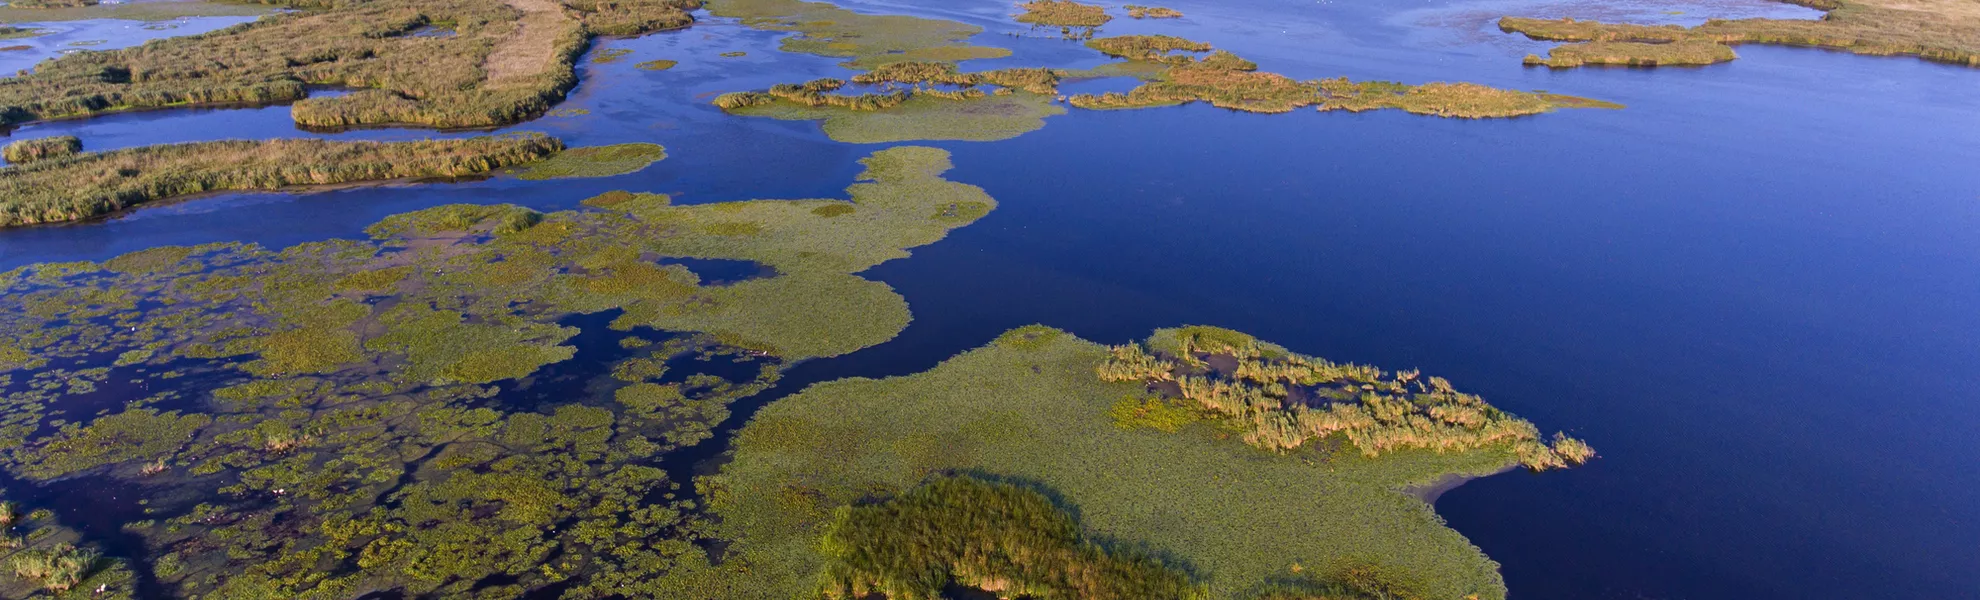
x=504, y=63
x=404, y=412
x=1216, y=465
x=51, y=183
x=1937, y=30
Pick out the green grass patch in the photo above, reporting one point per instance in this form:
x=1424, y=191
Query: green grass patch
x=594, y=161
x=1031, y=408
x=79, y=186
x=1937, y=30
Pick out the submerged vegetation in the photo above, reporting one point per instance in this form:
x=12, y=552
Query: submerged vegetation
x=1144, y=468
x=595, y=161
x=1938, y=30
x=80, y=186
x=30, y=150
x=405, y=414
x=506, y=62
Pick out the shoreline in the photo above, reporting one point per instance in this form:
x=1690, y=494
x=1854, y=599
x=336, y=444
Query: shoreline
x=1430, y=492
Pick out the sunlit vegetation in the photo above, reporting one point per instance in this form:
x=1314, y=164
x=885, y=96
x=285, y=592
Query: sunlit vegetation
x=991, y=536
x=922, y=116
x=656, y=65
x=409, y=414
x=1142, y=467
x=866, y=40
x=506, y=62
x=9, y=32
x=1636, y=54
x=30, y=150
x=1281, y=400
x=80, y=186
x=1073, y=19
x=1152, y=12
x=594, y=161
x=1937, y=30
x=1225, y=80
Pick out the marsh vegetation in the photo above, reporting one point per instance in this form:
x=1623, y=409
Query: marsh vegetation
x=30, y=150
x=1152, y=12
x=505, y=63
x=60, y=187
x=1152, y=472
x=1938, y=30
x=410, y=413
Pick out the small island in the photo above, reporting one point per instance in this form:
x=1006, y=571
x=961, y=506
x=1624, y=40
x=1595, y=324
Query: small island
x=1937, y=30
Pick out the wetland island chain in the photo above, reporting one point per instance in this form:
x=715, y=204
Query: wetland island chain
x=1044, y=300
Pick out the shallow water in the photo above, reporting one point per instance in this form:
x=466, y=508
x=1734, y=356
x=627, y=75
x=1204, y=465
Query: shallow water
x=62, y=37
x=1752, y=290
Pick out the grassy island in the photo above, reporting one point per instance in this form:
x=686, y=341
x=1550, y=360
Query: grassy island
x=866, y=40
x=507, y=61
x=1152, y=12
x=410, y=413
x=1185, y=448
x=1225, y=80
x=1938, y=30
x=984, y=106
x=1073, y=19
x=59, y=188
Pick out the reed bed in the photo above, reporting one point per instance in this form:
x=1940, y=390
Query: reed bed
x=991, y=536
x=1063, y=13
x=86, y=185
x=1945, y=31
x=506, y=63
x=1152, y=12
x=26, y=151
x=1226, y=80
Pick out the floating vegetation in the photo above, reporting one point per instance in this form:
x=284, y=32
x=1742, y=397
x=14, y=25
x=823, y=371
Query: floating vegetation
x=991, y=536
x=1228, y=81
x=734, y=54
x=656, y=65
x=610, y=55
x=846, y=466
x=26, y=151
x=506, y=62
x=1152, y=12
x=1937, y=30
x=868, y=40
x=81, y=43
x=567, y=113
x=80, y=186
x=1282, y=400
x=15, y=48
x=594, y=161
x=404, y=414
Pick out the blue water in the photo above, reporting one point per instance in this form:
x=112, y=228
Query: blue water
x=1754, y=290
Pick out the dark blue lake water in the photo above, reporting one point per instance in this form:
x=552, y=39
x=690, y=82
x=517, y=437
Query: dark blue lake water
x=1756, y=290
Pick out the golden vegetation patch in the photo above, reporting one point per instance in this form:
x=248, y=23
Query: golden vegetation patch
x=1063, y=13
x=505, y=63
x=80, y=186
x=1226, y=80
x=1152, y=12
x=1937, y=30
